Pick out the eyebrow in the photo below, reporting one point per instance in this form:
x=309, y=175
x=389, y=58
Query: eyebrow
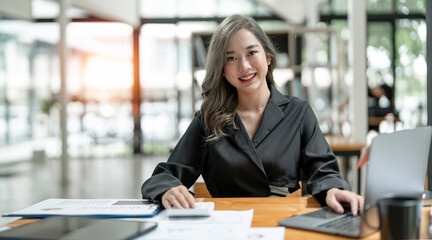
x=247, y=48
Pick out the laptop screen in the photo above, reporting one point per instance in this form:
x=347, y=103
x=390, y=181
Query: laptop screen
x=397, y=167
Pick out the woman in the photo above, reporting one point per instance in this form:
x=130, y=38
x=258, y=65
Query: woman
x=248, y=140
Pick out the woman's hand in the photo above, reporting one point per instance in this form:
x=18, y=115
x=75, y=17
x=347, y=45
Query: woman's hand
x=336, y=197
x=178, y=197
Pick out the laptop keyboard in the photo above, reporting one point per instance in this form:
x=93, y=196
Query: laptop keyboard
x=348, y=223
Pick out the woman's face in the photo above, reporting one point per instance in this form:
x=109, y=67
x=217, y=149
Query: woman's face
x=245, y=62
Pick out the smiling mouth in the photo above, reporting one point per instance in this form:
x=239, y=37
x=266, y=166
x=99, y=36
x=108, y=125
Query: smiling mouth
x=248, y=77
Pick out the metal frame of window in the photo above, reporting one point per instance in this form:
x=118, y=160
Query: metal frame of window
x=429, y=81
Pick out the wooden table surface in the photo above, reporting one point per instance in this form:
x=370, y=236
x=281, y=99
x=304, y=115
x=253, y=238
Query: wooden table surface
x=269, y=210
x=340, y=143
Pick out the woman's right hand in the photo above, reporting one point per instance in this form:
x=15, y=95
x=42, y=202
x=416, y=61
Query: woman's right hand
x=178, y=197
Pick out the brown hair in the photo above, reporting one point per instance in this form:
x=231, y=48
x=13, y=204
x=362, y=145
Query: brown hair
x=220, y=97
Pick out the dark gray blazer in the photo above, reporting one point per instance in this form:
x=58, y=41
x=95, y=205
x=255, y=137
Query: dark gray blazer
x=287, y=142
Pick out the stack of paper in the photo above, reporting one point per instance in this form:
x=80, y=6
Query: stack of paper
x=219, y=225
x=108, y=208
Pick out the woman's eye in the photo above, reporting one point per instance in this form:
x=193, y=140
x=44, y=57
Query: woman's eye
x=230, y=58
x=253, y=52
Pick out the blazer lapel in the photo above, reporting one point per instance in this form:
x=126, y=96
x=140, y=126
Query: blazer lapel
x=242, y=140
x=273, y=114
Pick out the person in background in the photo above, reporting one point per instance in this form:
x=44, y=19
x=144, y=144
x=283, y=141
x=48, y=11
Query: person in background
x=380, y=100
x=379, y=105
x=248, y=139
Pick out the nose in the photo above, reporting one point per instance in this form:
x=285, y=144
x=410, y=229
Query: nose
x=244, y=65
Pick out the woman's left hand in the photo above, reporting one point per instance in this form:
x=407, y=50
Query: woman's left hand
x=336, y=197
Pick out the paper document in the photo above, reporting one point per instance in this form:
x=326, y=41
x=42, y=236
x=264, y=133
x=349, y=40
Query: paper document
x=111, y=208
x=220, y=225
x=227, y=225
x=267, y=233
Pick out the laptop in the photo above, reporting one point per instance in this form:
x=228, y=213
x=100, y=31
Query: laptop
x=397, y=167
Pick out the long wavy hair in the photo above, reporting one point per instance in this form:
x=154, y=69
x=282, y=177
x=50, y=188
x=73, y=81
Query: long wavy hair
x=220, y=97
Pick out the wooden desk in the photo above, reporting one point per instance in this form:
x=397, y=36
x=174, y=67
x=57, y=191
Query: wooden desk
x=346, y=148
x=343, y=144
x=268, y=211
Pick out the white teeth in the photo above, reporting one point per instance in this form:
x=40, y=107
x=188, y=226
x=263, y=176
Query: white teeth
x=248, y=77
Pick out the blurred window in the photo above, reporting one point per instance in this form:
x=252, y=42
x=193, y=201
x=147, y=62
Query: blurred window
x=410, y=90
x=379, y=54
x=410, y=6
x=200, y=8
x=396, y=52
x=380, y=6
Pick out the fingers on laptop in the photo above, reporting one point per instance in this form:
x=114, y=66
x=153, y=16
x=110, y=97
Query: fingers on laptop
x=333, y=201
x=336, y=197
x=178, y=197
x=356, y=203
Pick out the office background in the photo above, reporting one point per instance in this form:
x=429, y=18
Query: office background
x=93, y=96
